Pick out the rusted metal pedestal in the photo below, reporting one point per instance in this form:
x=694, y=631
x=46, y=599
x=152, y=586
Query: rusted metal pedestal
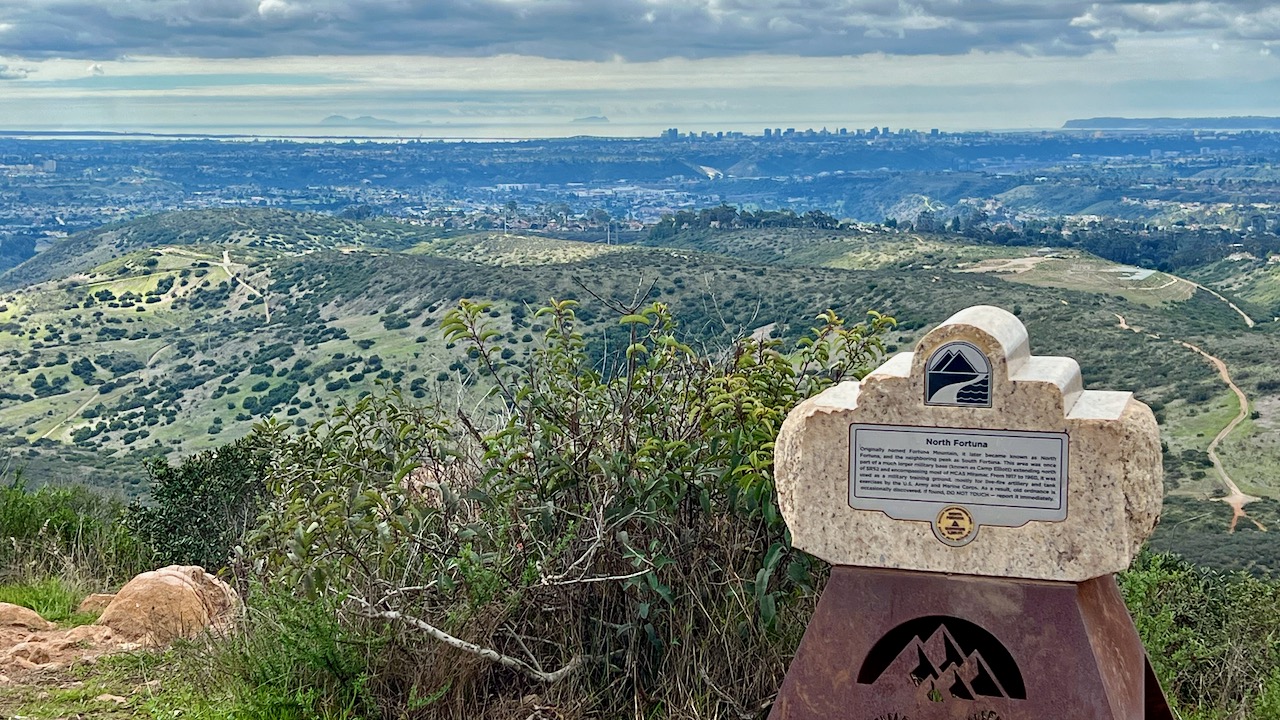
x=895, y=645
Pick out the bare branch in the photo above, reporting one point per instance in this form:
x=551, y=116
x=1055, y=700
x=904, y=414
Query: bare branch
x=471, y=429
x=488, y=654
x=642, y=293
x=554, y=581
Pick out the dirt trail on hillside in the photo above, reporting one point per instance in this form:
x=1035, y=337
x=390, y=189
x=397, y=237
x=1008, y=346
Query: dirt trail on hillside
x=152, y=360
x=96, y=396
x=93, y=395
x=226, y=266
x=1235, y=497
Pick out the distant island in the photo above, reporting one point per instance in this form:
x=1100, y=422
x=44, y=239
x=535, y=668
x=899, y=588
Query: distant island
x=1237, y=122
x=592, y=119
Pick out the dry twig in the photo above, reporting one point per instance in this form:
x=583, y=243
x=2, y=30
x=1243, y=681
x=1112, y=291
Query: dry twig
x=487, y=653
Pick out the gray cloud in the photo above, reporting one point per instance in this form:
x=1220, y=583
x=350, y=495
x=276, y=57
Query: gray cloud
x=1238, y=20
x=13, y=73
x=599, y=29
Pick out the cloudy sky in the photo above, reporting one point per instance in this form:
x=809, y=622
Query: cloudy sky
x=521, y=67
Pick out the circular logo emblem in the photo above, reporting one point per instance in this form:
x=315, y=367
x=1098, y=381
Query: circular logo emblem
x=955, y=526
x=958, y=374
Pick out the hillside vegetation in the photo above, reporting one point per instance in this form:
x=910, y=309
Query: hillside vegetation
x=174, y=334
x=607, y=546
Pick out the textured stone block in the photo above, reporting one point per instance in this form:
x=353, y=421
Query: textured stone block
x=972, y=456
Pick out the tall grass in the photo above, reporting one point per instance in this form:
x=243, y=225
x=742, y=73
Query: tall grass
x=54, y=599
x=67, y=533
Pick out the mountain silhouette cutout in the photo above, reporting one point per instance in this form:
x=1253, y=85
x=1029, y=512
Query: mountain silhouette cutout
x=955, y=362
x=945, y=657
x=939, y=665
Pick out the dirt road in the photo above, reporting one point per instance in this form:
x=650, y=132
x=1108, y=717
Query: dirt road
x=226, y=266
x=1235, y=497
x=95, y=396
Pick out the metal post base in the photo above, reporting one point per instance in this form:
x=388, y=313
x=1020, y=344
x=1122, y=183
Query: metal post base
x=895, y=645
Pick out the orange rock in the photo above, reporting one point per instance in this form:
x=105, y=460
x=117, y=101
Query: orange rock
x=93, y=634
x=18, y=616
x=33, y=652
x=96, y=602
x=177, y=601
x=85, y=636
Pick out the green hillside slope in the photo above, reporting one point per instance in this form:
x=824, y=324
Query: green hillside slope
x=250, y=228
x=179, y=332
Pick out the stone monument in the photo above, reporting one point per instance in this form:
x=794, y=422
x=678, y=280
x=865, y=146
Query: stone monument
x=975, y=502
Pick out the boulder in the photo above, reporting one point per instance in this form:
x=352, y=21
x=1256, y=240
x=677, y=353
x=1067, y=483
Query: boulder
x=177, y=601
x=96, y=602
x=18, y=616
x=84, y=636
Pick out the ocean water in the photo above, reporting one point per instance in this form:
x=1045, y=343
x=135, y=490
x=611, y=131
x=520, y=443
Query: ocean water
x=486, y=132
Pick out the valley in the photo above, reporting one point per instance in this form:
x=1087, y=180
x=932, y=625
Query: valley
x=168, y=335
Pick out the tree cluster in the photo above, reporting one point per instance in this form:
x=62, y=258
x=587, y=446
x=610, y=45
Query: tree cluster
x=728, y=217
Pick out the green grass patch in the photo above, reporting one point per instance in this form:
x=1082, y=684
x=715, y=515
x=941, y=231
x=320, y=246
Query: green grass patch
x=55, y=601
x=1086, y=273
x=1198, y=428
x=862, y=253
x=511, y=249
x=118, y=687
x=188, y=680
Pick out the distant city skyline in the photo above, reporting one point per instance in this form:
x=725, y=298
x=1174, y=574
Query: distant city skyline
x=529, y=67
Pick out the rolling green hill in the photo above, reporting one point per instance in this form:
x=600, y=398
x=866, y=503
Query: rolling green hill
x=179, y=332
x=248, y=228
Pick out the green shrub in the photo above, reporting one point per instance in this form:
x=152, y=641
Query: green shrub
x=605, y=543
x=200, y=508
x=1267, y=706
x=293, y=661
x=1213, y=638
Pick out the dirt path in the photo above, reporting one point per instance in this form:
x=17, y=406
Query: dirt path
x=764, y=332
x=1235, y=497
x=95, y=395
x=152, y=360
x=226, y=267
